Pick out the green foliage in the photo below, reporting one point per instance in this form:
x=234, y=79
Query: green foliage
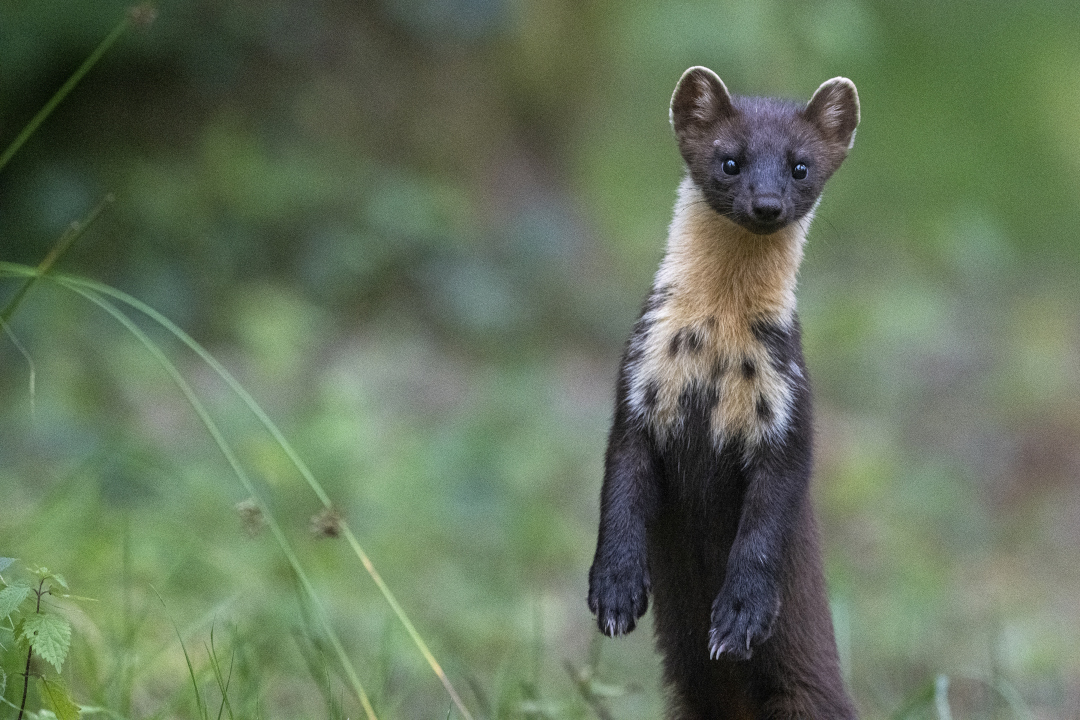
x=48, y=635
x=11, y=597
x=57, y=698
x=419, y=235
x=38, y=630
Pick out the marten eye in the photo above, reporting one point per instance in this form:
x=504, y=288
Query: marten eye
x=731, y=167
x=798, y=172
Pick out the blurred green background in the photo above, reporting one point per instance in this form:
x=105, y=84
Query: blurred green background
x=419, y=232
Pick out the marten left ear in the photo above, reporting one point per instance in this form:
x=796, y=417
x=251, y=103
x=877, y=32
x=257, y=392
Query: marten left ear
x=834, y=108
x=700, y=100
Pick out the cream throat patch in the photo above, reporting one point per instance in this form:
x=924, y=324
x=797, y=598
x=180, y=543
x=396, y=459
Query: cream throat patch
x=718, y=290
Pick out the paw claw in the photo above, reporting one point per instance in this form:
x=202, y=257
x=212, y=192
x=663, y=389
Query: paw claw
x=618, y=599
x=617, y=626
x=741, y=620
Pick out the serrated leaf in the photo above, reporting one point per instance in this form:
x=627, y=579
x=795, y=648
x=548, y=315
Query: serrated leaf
x=57, y=698
x=50, y=635
x=59, y=580
x=5, y=563
x=11, y=597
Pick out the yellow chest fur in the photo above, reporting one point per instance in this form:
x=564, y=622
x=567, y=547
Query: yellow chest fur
x=715, y=282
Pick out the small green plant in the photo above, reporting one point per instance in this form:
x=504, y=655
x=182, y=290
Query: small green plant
x=37, y=629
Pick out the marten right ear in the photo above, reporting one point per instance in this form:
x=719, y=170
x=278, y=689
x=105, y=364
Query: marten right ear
x=699, y=102
x=834, y=108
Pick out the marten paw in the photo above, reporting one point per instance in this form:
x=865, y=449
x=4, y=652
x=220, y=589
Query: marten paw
x=618, y=597
x=742, y=618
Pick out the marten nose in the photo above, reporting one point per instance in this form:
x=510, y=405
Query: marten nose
x=766, y=208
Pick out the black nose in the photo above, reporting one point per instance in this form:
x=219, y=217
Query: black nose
x=766, y=208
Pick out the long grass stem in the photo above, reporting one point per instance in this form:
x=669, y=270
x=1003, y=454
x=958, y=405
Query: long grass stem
x=63, y=244
x=67, y=87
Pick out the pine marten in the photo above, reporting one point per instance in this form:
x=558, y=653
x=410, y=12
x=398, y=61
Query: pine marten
x=705, y=501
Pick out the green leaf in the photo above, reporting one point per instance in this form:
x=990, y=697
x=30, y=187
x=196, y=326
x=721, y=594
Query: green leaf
x=11, y=597
x=3, y=682
x=50, y=635
x=5, y=563
x=57, y=698
x=59, y=580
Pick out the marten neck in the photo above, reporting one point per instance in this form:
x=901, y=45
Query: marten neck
x=714, y=268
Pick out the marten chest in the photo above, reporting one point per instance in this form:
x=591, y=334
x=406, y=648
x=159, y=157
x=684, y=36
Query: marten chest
x=737, y=373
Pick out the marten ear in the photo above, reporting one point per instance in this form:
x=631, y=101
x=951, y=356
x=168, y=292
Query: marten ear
x=699, y=102
x=834, y=108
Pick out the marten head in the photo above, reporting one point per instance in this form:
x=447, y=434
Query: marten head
x=762, y=162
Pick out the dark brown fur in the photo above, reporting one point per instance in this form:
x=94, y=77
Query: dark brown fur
x=705, y=501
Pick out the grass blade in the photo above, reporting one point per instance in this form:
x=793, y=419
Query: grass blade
x=223, y=681
x=26, y=356
x=67, y=87
x=187, y=658
x=73, y=233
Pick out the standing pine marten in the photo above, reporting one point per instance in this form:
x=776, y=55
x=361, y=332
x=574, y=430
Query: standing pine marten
x=705, y=501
